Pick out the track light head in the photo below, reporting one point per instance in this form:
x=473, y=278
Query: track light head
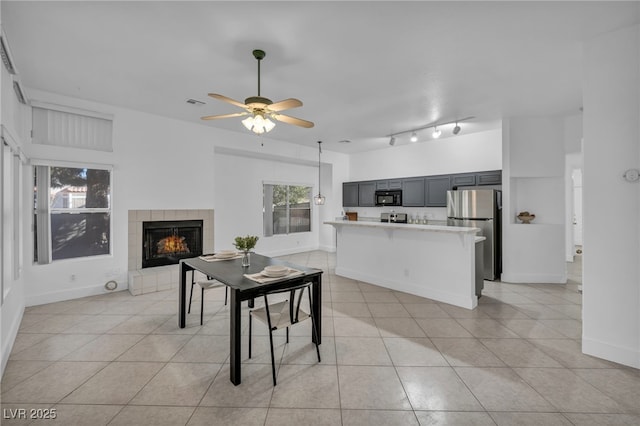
x=436, y=133
x=456, y=129
x=392, y=141
x=414, y=137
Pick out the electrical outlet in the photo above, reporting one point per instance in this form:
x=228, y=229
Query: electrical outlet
x=72, y=277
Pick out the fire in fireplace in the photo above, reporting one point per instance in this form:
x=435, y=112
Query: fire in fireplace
x=166, y=242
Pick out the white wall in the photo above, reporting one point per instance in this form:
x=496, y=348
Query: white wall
x=239, y=189
x=238, y=195
x=533, y=181
x=573, y=190
x=611, y=259
x=456, y=154
x=13, y=115
x=160, y=163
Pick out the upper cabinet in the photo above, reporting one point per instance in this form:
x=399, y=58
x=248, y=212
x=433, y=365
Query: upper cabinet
x=419, y=191
x=493, y=177
x=367, y=194
x=413, y=192
x=350, y=194
x=435, y=190
x=463, y=179
x=383, y=185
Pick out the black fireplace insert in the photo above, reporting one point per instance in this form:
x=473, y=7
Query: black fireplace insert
x=166, y=242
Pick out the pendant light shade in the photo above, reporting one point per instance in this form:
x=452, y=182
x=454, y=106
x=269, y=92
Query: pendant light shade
x=319, y=199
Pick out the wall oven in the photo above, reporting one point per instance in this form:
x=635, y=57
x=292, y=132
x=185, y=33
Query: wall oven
x=389, y=198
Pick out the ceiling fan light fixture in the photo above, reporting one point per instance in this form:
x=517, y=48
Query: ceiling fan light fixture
x=258, y=124
x=392, y=141
x=436, y=133
x=456, y=129
x=414, y=137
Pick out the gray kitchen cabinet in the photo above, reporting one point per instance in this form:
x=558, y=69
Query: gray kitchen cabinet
x=463, y=179
x=493, y=177
x=366, y=194
x=350, y=194
x=435, y=190
x=383, y=185
x=413, y=192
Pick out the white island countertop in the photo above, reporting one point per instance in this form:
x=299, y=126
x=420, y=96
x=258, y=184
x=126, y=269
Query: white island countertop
x=405, y=226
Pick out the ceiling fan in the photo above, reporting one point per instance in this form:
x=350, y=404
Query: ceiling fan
x=260, y=110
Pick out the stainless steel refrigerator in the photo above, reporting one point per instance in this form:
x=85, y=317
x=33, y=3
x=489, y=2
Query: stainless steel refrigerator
x=480, y=208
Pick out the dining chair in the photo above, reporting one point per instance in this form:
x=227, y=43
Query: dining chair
x=208, y=284
x=284, y=314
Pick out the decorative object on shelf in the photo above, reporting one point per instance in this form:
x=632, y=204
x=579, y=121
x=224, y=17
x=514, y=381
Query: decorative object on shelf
x=436, y=132
x=631, y=175
x=245, y=244
x=319, y=199
x=526, y=217
x=260, y=109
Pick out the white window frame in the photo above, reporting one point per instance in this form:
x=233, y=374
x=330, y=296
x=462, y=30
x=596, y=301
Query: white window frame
x=265, y=209
x=12, y=160
x=44, y=230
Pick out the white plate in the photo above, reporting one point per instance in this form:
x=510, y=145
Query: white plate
x=224, y=254
x=274, y=274
x=275, y=269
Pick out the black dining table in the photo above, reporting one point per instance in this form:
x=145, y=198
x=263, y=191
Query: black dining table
x=231, y=273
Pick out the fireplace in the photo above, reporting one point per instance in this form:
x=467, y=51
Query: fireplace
x=166, y=242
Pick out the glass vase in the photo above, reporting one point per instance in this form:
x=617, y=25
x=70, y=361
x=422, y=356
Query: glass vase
x=245, y=258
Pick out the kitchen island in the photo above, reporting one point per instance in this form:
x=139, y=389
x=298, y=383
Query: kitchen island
x=436, y=262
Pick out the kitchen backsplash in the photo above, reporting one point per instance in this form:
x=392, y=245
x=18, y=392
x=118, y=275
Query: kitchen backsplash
x=373, y=213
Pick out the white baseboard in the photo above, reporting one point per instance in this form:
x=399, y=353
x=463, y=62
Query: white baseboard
x=534, y=278
x=617, y=354
x=406, y=287
x=75, y=293
x=286, y=252
x=329, y=249
x=10, y=338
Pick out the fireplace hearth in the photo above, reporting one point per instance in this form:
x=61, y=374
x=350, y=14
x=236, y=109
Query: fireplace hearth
x=166, y=242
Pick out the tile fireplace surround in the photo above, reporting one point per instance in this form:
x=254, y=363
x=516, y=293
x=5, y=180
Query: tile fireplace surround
x=160, y=278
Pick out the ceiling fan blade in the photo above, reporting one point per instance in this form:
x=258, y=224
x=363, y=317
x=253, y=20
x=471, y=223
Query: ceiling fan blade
x=286, y=104
x=293, y=120
x=215, y=117
x=228, y=100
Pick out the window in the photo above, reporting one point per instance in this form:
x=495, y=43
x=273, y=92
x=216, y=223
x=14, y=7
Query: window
x=72, y=214
x=287, y=209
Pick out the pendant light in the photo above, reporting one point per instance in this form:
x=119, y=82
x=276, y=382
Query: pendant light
x=319, y=199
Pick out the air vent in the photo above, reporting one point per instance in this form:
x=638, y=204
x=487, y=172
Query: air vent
x=6, y=57
x=19, y=93
x=344, y=141
x=195, y=102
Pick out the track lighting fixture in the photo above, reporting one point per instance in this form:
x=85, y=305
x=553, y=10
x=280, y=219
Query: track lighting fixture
x=436, y=131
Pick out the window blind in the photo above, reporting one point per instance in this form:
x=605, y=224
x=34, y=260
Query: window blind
x=68, y=129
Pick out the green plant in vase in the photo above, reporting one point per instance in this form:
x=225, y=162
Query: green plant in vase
x=245, y=244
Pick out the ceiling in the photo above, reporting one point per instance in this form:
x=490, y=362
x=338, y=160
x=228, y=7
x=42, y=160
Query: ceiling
x=363, y=69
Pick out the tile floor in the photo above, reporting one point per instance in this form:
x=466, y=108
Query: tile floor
x=388, y=358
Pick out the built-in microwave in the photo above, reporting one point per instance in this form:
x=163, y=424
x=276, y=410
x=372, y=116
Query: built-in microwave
x=389, y=198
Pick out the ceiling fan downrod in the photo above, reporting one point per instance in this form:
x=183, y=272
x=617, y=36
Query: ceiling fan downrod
x=259, y=55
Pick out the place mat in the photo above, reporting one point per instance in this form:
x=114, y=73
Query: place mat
x=211, y=258
x=259, y=278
